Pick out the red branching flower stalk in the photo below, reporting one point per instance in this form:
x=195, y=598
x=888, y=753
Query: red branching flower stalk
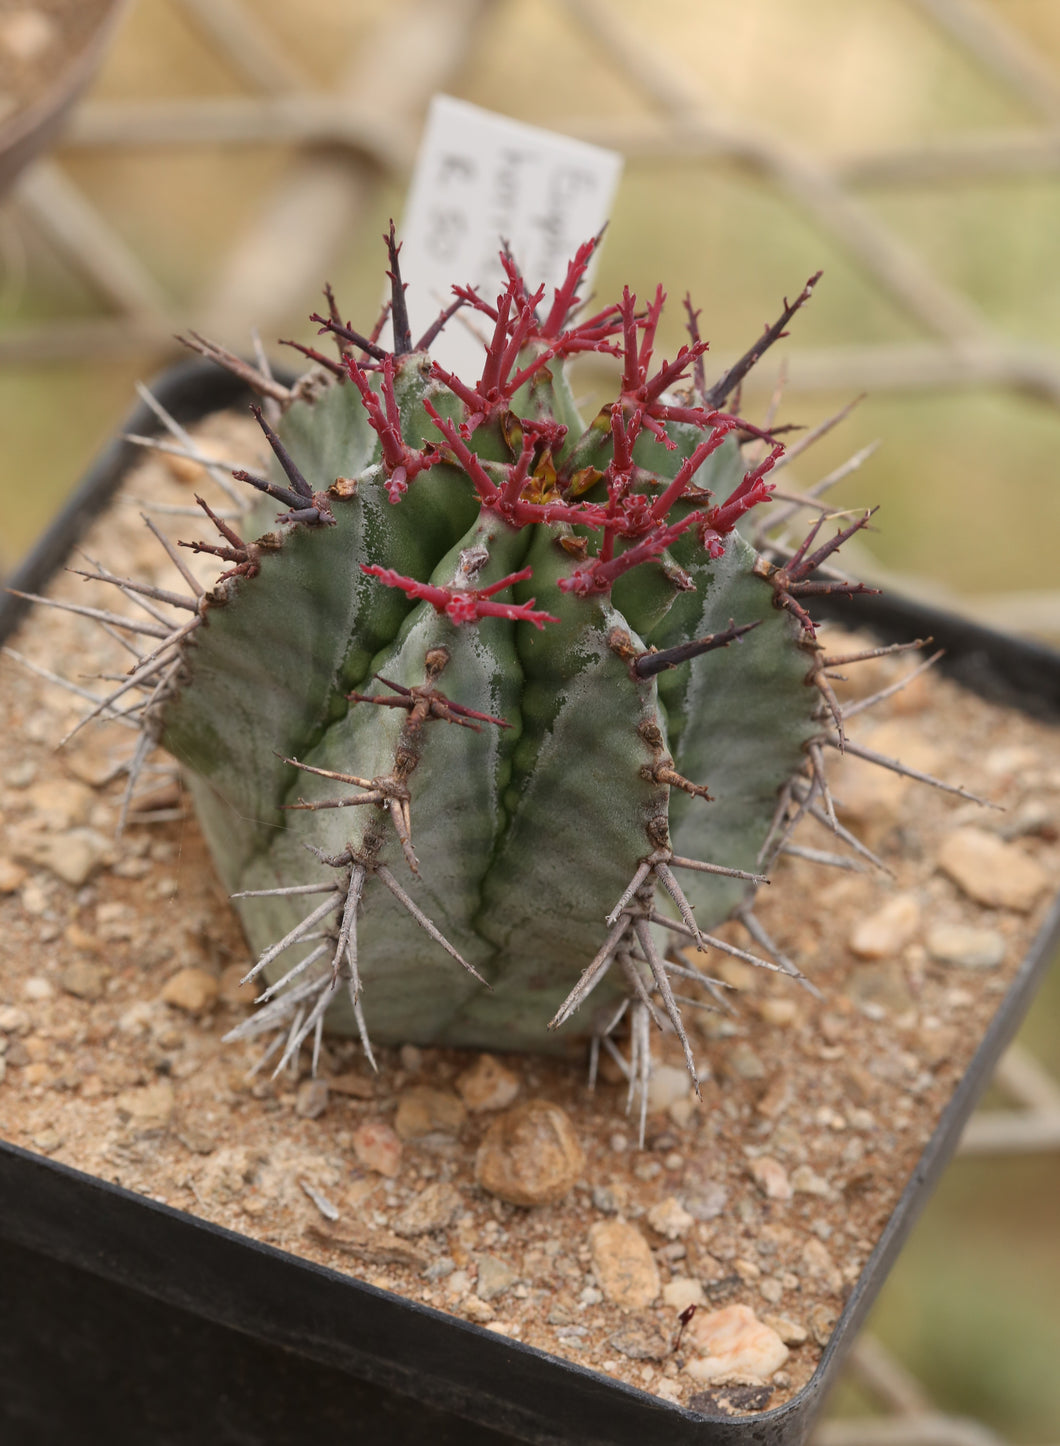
x=527, y=491
x=465, y=605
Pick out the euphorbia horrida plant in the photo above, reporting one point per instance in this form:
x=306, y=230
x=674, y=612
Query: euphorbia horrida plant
x=450, y=718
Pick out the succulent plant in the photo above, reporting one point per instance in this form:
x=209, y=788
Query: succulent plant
x=450, y=717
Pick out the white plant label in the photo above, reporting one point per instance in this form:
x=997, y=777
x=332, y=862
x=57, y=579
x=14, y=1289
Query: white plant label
x=482, y=179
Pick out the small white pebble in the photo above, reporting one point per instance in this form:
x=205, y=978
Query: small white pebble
x=683, y=1291
x=34, y=898
x=670, y=1218
x=457, y=1284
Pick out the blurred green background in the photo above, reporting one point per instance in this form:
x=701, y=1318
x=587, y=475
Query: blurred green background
x=911, y=148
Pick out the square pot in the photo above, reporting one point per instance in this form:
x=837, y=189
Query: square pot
x=128, y=1321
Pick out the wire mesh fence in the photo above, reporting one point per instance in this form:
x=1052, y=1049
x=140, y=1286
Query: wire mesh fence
x=343, y=146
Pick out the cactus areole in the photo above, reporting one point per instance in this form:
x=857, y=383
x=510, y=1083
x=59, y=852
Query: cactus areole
x=452, y=718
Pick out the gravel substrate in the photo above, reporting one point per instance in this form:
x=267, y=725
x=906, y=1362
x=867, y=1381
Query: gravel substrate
x=119, y=975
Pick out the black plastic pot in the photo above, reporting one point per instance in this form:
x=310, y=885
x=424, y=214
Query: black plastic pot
x=125, y=1321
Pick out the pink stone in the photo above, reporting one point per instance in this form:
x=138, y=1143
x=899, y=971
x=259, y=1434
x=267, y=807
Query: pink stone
x=378, y=1148
x=771, y=1178
x=736, y=1346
